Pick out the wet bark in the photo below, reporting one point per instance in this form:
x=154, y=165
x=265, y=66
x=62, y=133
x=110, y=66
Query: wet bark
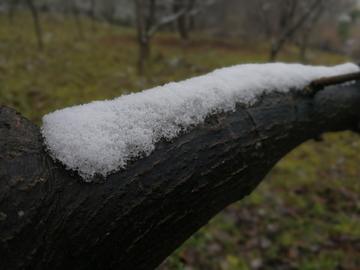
x=51, y=219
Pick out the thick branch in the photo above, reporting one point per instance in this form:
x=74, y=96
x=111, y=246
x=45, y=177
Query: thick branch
x=50, y=219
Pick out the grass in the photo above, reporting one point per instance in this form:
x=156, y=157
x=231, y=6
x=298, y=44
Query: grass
x=304, y=215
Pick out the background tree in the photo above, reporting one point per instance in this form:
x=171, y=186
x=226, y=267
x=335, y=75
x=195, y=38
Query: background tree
x=75, y=12
x=148, y=22
x=282, y=19
x=11, y=4
x=37, y=26
x=307, y=30
x=286, y=21
x=182, y=21
x=325, y=11
x=92, y=11
x=108, y=11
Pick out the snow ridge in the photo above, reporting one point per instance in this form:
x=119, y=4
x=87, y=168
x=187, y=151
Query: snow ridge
x=103, y=136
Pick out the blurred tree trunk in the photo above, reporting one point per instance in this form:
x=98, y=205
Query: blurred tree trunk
x=181, y=22
x=182, y=27
x=35, y=16
x=75, y=12
x=274, y=50
x=307, y=30
x=143, y=39
x=92, y=15
x=143, y=59
x=290, y=20
x=109, y=8
x=12, y=6
x=51, y=219
x=148, y=23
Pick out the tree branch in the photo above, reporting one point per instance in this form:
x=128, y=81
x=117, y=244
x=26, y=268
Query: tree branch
x=51, y=219
x=277, y=44
x=299, y=22
x=166, y=20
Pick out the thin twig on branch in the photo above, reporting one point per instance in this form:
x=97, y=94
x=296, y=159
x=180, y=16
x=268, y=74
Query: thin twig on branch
x=320, y=84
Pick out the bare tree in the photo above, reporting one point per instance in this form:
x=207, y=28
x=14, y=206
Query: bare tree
x=330, y=10
x=198, y=15
x=92, y=14
x=182, y=21
x=11, y=9
x=148, y=22
x=306, y=32
x=109, y=7
x=35, y=16
x=289, y=23
x=281, y=19
x=75, y=11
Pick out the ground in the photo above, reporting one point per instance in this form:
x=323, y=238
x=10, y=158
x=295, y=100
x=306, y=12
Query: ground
x=304, y=215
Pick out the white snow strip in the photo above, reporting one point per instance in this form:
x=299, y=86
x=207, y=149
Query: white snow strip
x=103, y=136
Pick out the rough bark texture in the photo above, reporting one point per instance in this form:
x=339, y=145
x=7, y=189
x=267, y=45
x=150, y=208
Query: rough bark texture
x=50, y=219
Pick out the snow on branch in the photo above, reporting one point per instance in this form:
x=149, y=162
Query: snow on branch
x=103, y=136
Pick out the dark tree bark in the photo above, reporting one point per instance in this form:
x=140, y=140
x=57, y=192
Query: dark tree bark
x=51, y=219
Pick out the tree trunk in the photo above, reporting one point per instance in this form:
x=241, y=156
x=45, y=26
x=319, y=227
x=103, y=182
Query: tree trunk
x=306, y=32
x=287, y=33
x=182, y=27
x=12, y=6
x=143, y=59
x=303, y=47
x=92, y=15
x=147, y=26
x=78, y=22
x=36, y=23
x=273, y=53
x=51, y=219
x=181, y=22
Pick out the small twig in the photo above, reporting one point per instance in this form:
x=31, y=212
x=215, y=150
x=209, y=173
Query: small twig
x=320, y=84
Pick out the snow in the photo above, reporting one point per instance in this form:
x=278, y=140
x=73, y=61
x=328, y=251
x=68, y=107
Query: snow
x=103, y=136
